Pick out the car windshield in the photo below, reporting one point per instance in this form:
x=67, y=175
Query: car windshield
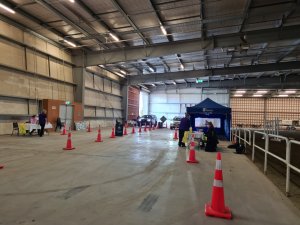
x=176, y=118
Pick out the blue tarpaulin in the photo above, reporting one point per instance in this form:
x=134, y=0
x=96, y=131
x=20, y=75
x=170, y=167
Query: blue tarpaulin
x=210, y=109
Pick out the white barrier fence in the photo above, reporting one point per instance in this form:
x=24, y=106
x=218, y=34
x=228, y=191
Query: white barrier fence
x=246, y=138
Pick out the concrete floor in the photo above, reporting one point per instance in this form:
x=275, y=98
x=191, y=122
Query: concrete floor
x=134, y=180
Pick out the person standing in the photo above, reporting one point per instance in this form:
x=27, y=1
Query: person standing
x=212, y=138
x=42, y=121
x=183, y=126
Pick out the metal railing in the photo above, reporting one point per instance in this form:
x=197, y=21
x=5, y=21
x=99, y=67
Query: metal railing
x=287, y=161
x=246, y=135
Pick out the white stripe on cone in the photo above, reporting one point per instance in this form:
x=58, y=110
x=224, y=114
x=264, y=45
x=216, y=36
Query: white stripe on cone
x=218, y=183
x=218, y=165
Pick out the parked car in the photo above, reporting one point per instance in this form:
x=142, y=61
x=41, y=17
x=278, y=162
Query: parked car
x=147, y=120
x=175, y=122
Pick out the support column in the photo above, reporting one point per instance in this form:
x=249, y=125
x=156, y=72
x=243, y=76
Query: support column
x=79, y=79
x=124, y=92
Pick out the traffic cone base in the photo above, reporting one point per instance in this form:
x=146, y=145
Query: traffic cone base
x=1, y=166
x=211, y=212
x=68, y=148
x=133, y=130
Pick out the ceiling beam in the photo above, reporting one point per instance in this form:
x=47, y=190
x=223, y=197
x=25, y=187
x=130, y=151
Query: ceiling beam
x=121, y=10
x=290, y=82
x=180, y=47
x=67, y=20
x=134, y=80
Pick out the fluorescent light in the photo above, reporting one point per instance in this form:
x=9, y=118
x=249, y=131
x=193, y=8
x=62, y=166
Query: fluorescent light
x=174, y=82
x=283, y=95
x=151, y=69
x=290, y=92
x=240, y=91
x=7, y=8
x=181, y=66
x=119, y=74
x=238, y=95
x=114, y=37
x=102, y=66
x=262, y=92
x=257, y=95
x=72, y=1
x=153, y=85
x=123, y=72
x=163, y=30
x=70, y=43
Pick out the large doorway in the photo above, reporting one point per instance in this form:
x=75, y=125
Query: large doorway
x=66, y=115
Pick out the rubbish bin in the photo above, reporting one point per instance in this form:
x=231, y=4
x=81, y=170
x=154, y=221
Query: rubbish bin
x=119, y=129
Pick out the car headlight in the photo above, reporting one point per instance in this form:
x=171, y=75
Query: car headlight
x=148, y=120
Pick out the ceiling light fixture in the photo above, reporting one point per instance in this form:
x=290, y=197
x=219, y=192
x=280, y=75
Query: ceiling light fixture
x=256, y=95
x=238, y=95
x=123, y=72
x=290, y=92
x=181, y=66
x=72, y=1
x=174, y=82
x=262, y=92
x=240, y=91
x=102, y=66
x=151, y=69
x=114, y=37
x=7, y=8
x=70, y=43
x=283, y=95
x=153, y=85
x=119, y=74
x=163, y=29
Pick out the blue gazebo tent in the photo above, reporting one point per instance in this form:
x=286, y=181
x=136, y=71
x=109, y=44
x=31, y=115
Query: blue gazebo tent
x=210, y=109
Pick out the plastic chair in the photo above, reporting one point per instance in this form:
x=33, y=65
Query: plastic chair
x=15, y=127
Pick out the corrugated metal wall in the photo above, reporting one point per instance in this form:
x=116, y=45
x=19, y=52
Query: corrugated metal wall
x=133, y=102
x=31, y=69
x=102, y=100
x=249, y=112
x=170, y=103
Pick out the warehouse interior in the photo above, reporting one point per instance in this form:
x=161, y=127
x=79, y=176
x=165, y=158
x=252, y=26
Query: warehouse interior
x=94, y=63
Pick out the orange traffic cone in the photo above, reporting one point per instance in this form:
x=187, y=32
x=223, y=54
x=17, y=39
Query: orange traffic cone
x=69, y=143
x=112, y=133
x=217, y=206
x=1, y=166
x=64, y=132
x=99, y=138
x=175, y=135
x=133, y=130
x=153, y=128
x=140, y=129
x=145, y=128
x=89, y=128
x=125, y=130
x=192, y=153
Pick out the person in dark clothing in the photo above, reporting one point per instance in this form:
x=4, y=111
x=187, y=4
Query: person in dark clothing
x=58, y=124
x=183, y=126
x=212, y=139
x=42, y=121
